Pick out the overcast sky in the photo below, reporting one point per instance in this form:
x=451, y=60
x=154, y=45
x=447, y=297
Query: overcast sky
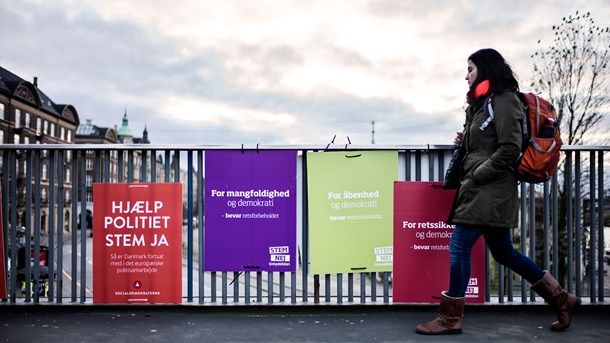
x=273, y=72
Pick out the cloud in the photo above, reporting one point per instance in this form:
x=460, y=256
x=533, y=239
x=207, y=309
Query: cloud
x=271, y=72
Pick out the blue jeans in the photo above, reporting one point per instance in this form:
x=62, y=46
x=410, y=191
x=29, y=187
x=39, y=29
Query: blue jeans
x=501, y=248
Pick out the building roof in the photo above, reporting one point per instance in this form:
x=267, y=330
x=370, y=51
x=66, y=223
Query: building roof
x=90, y=131
x=14, y=86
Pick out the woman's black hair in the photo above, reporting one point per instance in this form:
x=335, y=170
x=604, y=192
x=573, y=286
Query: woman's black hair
x=492, y=66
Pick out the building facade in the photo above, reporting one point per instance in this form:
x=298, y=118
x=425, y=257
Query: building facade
x=29, y=116
x=88, y=133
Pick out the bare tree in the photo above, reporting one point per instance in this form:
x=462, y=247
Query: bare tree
x=573, y=73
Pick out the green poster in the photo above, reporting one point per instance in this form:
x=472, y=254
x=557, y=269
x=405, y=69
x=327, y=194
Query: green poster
x=350, y=200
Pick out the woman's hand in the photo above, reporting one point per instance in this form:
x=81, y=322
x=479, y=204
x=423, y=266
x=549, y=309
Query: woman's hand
x=457, y=141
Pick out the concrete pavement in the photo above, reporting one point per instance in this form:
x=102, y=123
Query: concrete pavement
x=278, y=323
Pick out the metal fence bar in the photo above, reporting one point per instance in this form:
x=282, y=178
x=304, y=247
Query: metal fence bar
x=327, y=287
x=189, y=229
x=60, y=224
x=144, y=169
x=247, y=287
x=213, y=287
x=130, y=166
x=363, y=288
x=600, y=222
x=570, y=219
x=6, y=230
x=577, y=224
x=386, y=288
x=546, y=263
x=592, y=232
x=37, y=232
x=305, y=232
x=200, y=233
x=270, y=287
x=74, y=181
x=83, y=224
x=282, y=286
x=259, y=287
x=523, y=233
x=555, y=223
x=532, y=230
x=28, y=224
x=293, y=288
x=13, y=225
x=373, y=276
x=235, y=283
x=51, y=223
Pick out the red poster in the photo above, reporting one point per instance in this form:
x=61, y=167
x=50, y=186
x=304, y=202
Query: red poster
x=3, y=295
x=137, y=243
x=421, y=245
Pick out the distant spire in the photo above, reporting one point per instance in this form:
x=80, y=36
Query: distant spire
x=124, y=132
x=145, y=136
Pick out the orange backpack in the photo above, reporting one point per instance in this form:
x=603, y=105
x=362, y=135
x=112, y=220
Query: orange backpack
x=539, y=157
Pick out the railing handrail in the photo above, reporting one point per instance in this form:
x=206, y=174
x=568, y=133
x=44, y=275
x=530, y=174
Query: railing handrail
x=304, y=147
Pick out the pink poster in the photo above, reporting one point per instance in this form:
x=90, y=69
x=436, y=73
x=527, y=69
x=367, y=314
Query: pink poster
x=421, y=245
x=137, y=243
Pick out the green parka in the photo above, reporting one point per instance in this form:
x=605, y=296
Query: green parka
x=487, y=195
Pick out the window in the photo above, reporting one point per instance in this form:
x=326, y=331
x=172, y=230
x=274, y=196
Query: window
x=26, y=140
x=45, y=127
x=43, y=195
x=44, y=171
x=89, y=164
x=16, y=139
x=69, y=138
x=62, y=133
x=1, y=137
x=67, y=197
x=1, y=111
x=68, y=180
x=27, y=119
x=17, y=118
x=89, y=181
x=89, y=197
x=52, y=130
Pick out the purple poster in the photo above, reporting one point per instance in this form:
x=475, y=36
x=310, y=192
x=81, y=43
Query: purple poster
x=250, y=210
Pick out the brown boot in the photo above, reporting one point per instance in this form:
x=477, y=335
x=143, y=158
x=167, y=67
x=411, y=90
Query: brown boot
x=562, y=302
x=449, y=319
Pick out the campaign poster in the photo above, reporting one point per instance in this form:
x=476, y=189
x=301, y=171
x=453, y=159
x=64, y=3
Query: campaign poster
x=350, y=203
x=250, y=210
x=137, y=243
x=421, y=245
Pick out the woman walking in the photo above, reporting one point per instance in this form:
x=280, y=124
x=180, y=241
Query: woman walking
x=486, y=202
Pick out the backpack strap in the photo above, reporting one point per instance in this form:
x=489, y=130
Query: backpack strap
x=489, y=112
x=537, y=122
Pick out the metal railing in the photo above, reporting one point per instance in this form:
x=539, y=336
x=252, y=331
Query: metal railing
x=45, y=190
